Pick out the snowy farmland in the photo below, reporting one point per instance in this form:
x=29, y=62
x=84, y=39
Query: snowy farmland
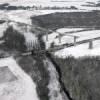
x=20, y=16
x=80, y=50
x=67, y=34
x=54, y=37
x=83, y=37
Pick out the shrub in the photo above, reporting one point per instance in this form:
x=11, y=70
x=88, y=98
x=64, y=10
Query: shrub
x=14, y=40
x=59, y=20
x=36, y=69
x=81, y=77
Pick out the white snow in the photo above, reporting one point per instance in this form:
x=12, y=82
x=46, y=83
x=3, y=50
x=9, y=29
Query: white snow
x=54, y=37
x=92, y=36
x=68, y=37
x=21, y=89
x=64, y=40
x=59, y=11
x=80, y=50
x=86, y=33
x=64, y=30
x=22, y=16
x=3, y=28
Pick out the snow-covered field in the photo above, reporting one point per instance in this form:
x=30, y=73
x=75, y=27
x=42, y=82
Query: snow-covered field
x=3, y=27
x=67, y=36
x=23, y=16
x=23, y=88
x=82, y=49
x=78, y=50
x=54, y=37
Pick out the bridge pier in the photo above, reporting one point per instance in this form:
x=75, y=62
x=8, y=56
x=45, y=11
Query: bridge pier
x=75, y=40
x=91, y=44
x=46, y=36
x=59, y=38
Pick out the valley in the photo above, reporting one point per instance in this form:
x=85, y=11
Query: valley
x=49, y=54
